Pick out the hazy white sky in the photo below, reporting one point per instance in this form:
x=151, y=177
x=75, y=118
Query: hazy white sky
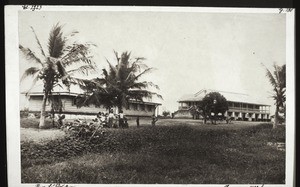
x=191, y=51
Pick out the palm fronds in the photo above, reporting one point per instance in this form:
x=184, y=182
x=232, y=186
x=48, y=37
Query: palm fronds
x=111, y=68
x=61, y=70
x=120, y=83
x=30, y=72
x=77, y=53
x=144, y=72
x=144, y=84
x=56, y=42
x=270, y=76
x=141, y=94
x=278, y=82
x=84, y=69
x=36, y=78
x=38, y=42
x=29, y=55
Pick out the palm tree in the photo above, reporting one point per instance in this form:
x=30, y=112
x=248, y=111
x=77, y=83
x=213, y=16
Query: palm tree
x=120, y=84
x=278, y=82
x=53, y=67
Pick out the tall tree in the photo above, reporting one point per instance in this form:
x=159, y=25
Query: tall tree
x=120, y=84
x=212, y=103
x=278, y=82
x=54, y=66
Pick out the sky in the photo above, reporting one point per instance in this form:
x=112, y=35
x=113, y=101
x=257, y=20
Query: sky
x=189, y=50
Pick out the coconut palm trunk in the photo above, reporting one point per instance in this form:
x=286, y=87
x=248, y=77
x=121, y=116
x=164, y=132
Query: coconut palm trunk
x=43, y=110
x=120, y=109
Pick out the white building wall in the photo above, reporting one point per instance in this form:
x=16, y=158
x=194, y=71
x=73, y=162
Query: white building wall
x=35, y=104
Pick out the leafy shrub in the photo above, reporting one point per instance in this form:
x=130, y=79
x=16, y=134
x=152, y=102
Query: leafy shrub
x=166, y=113
x=82, y=129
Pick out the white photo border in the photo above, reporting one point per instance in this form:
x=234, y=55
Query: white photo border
x=12, y=82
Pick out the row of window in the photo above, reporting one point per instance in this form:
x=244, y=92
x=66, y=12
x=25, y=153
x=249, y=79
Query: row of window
x=251, y=106
x=230, y=104
x=141, y=107
x=131, y=106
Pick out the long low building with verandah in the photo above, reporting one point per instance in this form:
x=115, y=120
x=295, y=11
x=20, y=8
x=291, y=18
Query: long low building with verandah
x=240, y=106
x=33, y=103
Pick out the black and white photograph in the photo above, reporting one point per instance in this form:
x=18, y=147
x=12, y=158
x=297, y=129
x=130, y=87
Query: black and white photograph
x=150, y=96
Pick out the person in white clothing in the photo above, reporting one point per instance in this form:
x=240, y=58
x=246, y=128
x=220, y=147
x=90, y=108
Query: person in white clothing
x=111, y=118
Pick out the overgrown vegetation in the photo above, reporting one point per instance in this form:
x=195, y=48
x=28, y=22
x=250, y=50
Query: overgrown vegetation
x=163, y=154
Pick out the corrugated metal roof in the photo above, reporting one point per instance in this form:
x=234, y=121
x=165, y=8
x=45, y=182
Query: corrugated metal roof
x=230, y=96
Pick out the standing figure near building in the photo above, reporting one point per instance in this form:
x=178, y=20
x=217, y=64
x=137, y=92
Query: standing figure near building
x=154, y=120
x=121, y=119
x=111, y=118
x=138, y=121
x=125, y=122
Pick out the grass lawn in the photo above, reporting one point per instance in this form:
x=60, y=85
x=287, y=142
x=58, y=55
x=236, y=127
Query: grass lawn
x=173, y=152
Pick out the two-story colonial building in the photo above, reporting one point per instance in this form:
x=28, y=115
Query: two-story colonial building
x=240, y=106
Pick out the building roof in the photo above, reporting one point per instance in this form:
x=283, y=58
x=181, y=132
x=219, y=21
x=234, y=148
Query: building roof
x=38, y=89
x=230, y=96
x=190, y=97
x=74, y=90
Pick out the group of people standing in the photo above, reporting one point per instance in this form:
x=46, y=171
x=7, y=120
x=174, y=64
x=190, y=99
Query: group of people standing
x=112, y=120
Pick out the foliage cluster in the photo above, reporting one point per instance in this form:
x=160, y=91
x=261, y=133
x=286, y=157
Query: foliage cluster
x=82, y=129
x=166, y=113
x=210, y=107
